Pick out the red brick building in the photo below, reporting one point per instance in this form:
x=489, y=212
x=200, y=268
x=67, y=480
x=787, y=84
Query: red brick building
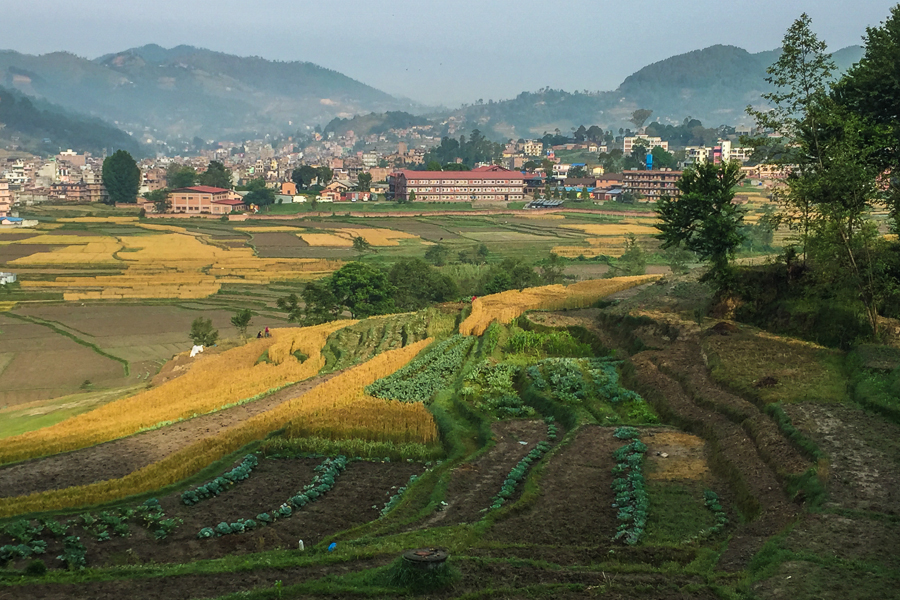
x=484, y=184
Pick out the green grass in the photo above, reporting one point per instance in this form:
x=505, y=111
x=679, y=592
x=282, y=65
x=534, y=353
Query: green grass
x=802, y=371
x=352, y=448
x=17, y=421
x=677, y=512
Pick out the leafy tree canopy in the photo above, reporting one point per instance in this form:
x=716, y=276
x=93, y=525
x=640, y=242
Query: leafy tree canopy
x=122, y=177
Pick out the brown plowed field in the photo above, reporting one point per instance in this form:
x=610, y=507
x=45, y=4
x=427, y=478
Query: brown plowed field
x=474, y=484
x=118, y=458
x=574, y=507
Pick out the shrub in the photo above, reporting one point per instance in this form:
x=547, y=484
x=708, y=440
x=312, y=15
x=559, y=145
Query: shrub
x=36, y=568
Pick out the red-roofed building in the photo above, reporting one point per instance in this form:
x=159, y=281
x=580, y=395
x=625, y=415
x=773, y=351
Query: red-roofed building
x=484, y=184
x=203, y=199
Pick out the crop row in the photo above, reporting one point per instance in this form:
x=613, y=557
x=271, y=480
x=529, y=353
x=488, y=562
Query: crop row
x=342, y=390
x=397, y=497
x=322, y=483
x=630, y=488
x=490, y=386
x=517, y=474
x=419, y=380
x=221, y=484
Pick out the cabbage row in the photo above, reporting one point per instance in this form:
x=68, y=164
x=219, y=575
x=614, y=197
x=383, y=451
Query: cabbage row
x=322, y=482
x=574, y=380
x=420, y=379
x=517, y=474
x=629, y=486
x=221, y=484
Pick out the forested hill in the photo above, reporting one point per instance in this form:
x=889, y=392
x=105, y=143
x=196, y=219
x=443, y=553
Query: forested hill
x=42, y=128
x=186, y=91
x=713, y=85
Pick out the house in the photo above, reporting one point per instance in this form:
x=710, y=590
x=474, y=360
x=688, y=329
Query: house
x=6, y=278
x=646, y=141
x=337, y=186
x=203, y=199
x=289, y=188
x=5, y=198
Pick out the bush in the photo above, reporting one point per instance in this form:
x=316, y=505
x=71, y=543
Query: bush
x=36, y=568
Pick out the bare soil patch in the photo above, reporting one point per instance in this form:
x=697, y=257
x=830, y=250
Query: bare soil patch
x=118, y=458
x=864, y=470
x=574, y=507
x=674, y=455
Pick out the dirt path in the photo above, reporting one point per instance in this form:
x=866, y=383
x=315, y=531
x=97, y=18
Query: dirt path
x=474, y=484
x=118, y=458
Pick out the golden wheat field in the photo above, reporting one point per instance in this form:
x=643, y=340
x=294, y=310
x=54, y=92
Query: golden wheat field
x=616, y=229
x=343, y=238
x=173, y=263
x=507, y=306
x=335, y=394
x=370, y=419
x=212, y=382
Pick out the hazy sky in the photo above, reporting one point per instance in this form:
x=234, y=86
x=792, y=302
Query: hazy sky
x=432, y=51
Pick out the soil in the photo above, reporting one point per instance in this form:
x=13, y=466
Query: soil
x=574, y=506
x=474, y=484
x=118, y=458
x=863, y=453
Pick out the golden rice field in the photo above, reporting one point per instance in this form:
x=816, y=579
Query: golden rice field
x=507, y=306
x=334, y=394
x=616, y=229
x=542, y=217
x=97, y=219
x=172, y=264
x=343, y=238
x=212, y=382
x=5, y=306
x=370, y=419
x=268, y=229
x=609, y=246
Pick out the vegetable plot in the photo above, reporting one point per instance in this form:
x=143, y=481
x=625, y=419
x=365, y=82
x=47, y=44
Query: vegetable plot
x=518, y=473
x=631, y=495
x=221, y=484
x=322, y=482
x=419, y=380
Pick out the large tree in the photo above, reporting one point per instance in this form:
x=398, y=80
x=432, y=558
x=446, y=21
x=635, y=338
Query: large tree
x=417, y=284
x=122, y=177
x=303, y=176
x=178, y=176
x=216, y=175
x=704, y=218
x=364, y=182
x=362, y=289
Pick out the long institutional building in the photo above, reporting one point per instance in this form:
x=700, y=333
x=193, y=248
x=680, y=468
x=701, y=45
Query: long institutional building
x=490, y=183
x=651, y=185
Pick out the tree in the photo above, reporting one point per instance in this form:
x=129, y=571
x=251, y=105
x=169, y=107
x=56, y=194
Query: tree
x=510, y=274
x=259, y=193
x=411, y=197
x=632, y=262
x=481, y=254
x=303, y=176
x=595, y=134
x=456, y=167
x=547, y=166
x=241, y=320
x=178, y=177
x=437, y=255
x=612, y=161
x=417, y=285
x=640, y=116
x=216, y=175
x=530, y=166
x=585, y=195
x=362, y=289
x=577, y=172
x=552, y=270
x=364, y=182
x=203, y=333
x=662, y=158
x=160, y=199
x=319, y=305
x=704, y=220
x=324, y=175
x=122, y=177
x=433, y=165
x=800, y=77
x=361, y=245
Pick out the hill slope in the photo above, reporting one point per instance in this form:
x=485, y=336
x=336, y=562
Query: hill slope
x=714, y=85
x=187, y=91
x=40, y=127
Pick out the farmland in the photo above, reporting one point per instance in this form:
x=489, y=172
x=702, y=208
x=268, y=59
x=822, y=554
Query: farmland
x=598, y=437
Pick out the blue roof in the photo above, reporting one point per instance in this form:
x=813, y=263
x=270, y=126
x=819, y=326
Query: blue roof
x=11, y=219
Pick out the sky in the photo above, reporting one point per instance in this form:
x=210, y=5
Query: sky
x=438, y=53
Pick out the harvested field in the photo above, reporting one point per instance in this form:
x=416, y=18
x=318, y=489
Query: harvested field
x=686, y=456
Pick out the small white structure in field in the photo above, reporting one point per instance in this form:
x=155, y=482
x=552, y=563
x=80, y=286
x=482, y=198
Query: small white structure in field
x=196, y=350
x=7, y=278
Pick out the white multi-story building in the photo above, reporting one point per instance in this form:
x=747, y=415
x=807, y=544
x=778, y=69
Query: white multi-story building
x=533, y=148
x=647, y=141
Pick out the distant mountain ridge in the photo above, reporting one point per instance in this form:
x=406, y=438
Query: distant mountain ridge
x=186, y=91
x=714, y=85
